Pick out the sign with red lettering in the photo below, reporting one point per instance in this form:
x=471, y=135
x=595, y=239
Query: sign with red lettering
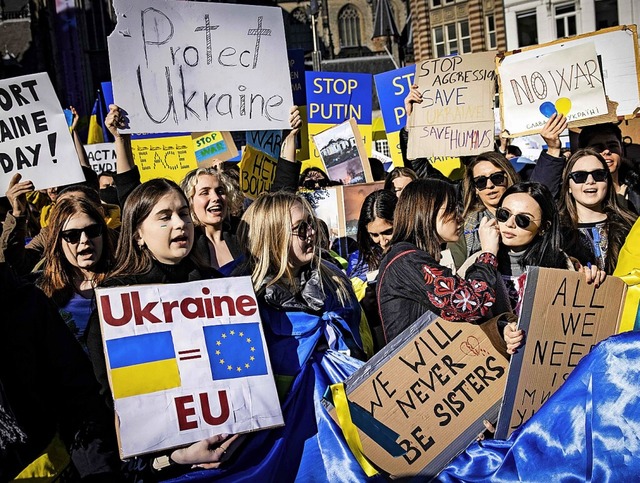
x=421, y=400
x=186, y=361
x=563, y=317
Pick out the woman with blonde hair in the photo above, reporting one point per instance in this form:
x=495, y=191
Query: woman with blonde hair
x=212, y=199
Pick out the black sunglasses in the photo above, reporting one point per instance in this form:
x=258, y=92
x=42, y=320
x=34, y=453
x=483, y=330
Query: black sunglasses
x=613, y=147
x=522, y=220
x=499, y=178
x=303, y=230
x=73, y=235
x=598, y=175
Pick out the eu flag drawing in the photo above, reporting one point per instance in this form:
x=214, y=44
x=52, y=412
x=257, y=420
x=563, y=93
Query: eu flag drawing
x=142, y=364
x=235, y=350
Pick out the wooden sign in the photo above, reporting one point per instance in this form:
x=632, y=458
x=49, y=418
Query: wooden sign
x=430, y=388
x=563, y=318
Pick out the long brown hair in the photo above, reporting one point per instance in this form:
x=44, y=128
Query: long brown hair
x=416, y=214
x=471, y=201
x=57, y=279
x=619, y=220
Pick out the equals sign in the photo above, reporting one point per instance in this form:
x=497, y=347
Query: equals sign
x=190, y=354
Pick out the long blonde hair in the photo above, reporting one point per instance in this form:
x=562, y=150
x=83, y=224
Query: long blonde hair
x=266, y=237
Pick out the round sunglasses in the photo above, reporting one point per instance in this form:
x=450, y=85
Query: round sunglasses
x=303, y=230
x=522, y=220
x=499, y=178
x=73, y=235
x=580, y=177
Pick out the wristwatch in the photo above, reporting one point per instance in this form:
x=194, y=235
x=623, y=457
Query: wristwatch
x=162, y=462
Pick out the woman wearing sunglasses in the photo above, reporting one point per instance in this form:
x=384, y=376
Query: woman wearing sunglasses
x=78, y=255
x=485, y=181
x=594, y=224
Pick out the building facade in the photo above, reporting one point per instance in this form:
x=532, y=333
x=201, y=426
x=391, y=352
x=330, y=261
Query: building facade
x=445, y=27
x=531, y=22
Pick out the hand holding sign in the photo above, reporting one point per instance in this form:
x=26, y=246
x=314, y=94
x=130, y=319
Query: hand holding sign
x=17, y=194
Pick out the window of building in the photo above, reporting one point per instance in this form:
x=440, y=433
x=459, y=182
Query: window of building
x=606, y=13
x=566, y=20
x=490, y=28
x=440, y=3
x=349, y=27
x=527, y=28
x=299, y=34
x=453, y=38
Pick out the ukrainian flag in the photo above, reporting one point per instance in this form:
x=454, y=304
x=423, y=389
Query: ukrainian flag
x=95, y=135
x=142, y=364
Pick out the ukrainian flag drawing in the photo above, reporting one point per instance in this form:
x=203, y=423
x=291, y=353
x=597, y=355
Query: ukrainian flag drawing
x=141, y=364
x=235, y=350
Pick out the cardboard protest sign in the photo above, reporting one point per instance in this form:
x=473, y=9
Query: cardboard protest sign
x=257, y=172
x=34, y=135
x=102, y=157
x=567, y=80
x=195, y=66
x=164, y=157
x=392, y=87
x=617, y=51
x=343, y=155
x=455, y=117
x=563, y=318
x=421, y=400
x=269, y=142
x=213, y=146
x=186, y=361
x=335, y=97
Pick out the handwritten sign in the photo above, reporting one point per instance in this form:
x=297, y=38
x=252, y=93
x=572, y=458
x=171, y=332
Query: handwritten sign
x=34, y=137
x=342, y=152
x=456, y=115
x=212, y=146
x=186, y=361
x=102, y=157
x=428, y=392
x=563, y=318
x=257, y=172
x=164, y=157
x=335, y=97
x=195, y=66
x=567, y=80
x=268, y=142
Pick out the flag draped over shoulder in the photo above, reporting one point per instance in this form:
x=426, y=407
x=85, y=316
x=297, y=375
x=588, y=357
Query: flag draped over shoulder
x=586, y=431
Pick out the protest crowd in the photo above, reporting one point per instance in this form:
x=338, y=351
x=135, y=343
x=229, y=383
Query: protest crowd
x=425, y=244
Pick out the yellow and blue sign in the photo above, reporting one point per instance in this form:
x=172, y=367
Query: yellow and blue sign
x=142, y=364
x=235, y=350
x=333, y=98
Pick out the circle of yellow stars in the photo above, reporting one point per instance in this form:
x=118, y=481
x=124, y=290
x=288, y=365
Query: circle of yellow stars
x=222, y=361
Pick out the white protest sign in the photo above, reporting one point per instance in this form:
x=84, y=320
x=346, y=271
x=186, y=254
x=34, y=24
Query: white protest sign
x=567, y=80
x=193, y=66
x=455, y=117
x=102, y=156
x=34, y=136
x=186, y=361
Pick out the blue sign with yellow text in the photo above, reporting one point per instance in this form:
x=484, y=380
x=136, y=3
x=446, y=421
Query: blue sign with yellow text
x=392, y=88
x=334, y=97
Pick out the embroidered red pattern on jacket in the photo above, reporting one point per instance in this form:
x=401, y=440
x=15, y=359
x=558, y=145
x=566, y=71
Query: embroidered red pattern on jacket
x=457, y=298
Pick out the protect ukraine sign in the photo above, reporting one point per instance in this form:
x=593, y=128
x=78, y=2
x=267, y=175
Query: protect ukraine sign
x=186, y=361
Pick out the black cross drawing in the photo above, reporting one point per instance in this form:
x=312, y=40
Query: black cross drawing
x=259, y=32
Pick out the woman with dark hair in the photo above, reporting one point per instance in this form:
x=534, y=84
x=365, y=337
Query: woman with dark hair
x=78, y=254
x=412, y=281
x=398, y=178
x=375, y=227
x=485, y=180
x=594, y=224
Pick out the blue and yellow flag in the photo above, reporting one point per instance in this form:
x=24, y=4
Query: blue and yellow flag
x=235, y=350
x=95, y=135
x=142, y=364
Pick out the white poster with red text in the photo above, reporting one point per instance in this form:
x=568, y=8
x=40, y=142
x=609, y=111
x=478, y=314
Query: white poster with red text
x=185, y=362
